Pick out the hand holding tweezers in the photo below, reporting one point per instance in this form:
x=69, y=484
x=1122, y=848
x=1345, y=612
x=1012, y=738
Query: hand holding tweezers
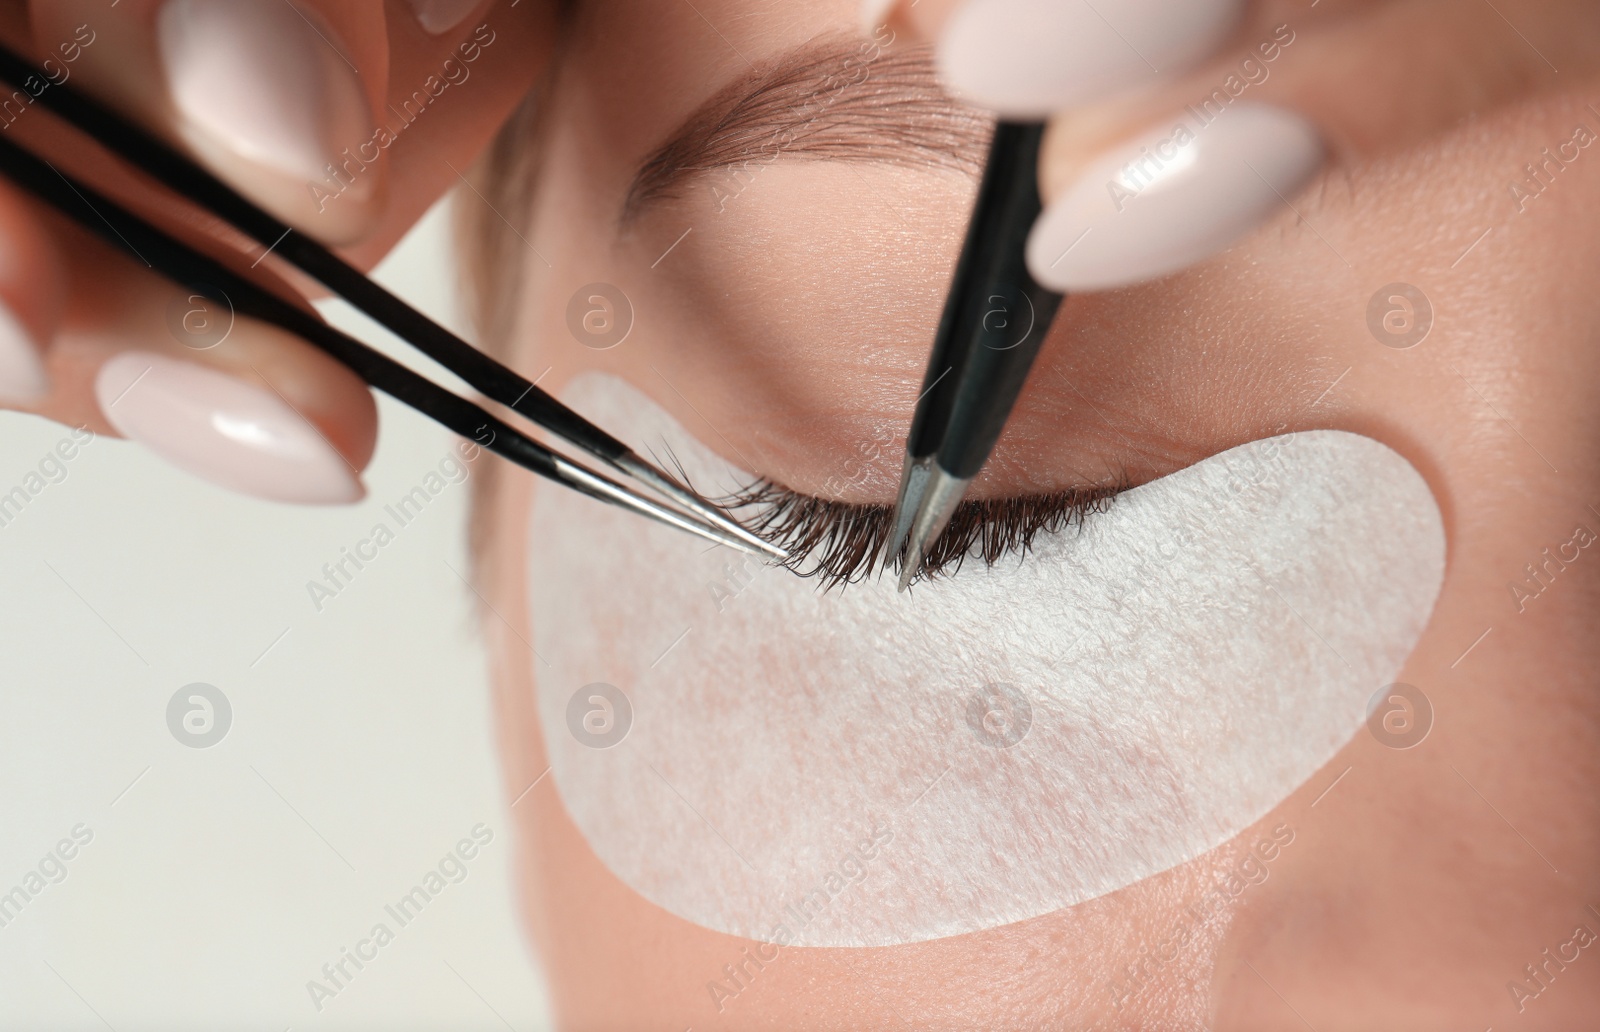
x=203, y=274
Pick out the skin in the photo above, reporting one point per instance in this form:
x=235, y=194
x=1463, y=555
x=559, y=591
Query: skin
x=1406, y=899
x=793, y=326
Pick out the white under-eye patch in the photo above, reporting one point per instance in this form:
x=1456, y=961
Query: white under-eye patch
x=861, y=768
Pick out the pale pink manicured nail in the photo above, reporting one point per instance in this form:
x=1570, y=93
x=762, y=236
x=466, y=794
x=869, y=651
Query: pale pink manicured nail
x=22, y=375
x=257, y=80
x=1174, y=196
x=874, y=13
x=1030, y=58
x=440, y=16
x=224, y=430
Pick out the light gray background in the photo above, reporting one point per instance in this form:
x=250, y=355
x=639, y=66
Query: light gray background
x=220, y=880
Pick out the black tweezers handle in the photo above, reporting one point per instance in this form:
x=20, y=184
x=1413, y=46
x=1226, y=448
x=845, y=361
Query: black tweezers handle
x=995, y=318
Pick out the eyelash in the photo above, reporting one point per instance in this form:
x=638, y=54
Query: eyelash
x=842, y=542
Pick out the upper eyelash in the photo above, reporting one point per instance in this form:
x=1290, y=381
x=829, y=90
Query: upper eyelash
x=842, y=542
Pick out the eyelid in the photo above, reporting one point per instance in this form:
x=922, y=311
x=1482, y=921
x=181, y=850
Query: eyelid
x=841, y=543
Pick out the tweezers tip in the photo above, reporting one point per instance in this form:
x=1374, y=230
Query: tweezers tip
x=908, y=500
x=733, y=533
x=941, y=495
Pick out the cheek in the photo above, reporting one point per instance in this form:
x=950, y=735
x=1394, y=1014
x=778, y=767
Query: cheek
x=1015, y=739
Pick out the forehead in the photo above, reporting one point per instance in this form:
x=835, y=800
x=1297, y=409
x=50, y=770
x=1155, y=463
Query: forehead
x=635, y=65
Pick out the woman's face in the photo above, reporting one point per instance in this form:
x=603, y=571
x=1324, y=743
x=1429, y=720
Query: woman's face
x=782, y=312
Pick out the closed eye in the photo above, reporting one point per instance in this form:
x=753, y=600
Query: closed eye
x=843, y=542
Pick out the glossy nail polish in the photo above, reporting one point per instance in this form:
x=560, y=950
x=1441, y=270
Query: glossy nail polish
x=22, y=375
x=1174, y=196
x=260, y=89
x=440, y=16
x=1030, y=58
x=235, y=434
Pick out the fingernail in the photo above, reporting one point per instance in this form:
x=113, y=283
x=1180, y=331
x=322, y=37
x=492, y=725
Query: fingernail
x=1029, y=58
x=22, y=375
x=219, y=428
x=440, y=16
x=873, y=14
x=254, y=79
x=1173, y=197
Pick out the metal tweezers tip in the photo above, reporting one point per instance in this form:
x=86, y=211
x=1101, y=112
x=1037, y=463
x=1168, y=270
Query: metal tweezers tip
x=941, y=496
x=730, y=530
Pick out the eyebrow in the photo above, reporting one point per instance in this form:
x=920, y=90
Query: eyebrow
x=836, y=98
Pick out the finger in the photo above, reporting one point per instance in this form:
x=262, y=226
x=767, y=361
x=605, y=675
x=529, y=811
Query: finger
x=234, y=401
x=451, y=89
x=33, y=285
x=438, y=17
x=237, y=429
x=1148, y=184
x=265, y=93
x=1365, y=82
x=345, y=118
x=1030, y=58
x=240, y=403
